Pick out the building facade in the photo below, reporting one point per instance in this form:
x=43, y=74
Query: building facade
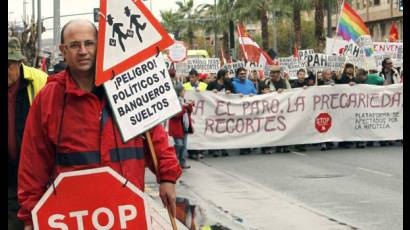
x=378, y=16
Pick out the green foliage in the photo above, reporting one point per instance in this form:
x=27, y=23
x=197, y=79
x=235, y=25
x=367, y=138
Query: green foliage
x=286, y=37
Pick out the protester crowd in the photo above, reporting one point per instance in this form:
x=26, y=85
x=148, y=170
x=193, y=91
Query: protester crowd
x=39, y=135
x=249, y=83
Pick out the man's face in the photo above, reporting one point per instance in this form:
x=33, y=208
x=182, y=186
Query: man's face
x=389, y=64
x=242, y=75
x=80, y=46
x=193, y=78
x=274, y=75
x=13, y=72
x=327, y=75
x=301, y=75
x=349, y=70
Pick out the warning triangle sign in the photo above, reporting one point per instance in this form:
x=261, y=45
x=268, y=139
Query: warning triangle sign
x=128, y=34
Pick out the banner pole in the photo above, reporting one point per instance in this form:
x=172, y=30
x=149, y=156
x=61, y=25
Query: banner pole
x=337, y=25
x=155, y=162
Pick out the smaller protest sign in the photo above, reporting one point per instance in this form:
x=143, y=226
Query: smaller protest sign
x=142, y=97
x=303, y=54
x=351, y=49
x=253, y=66
x=204, y=65
x=335, y=46
x=335, y=62
x=388, y=47
x=362, y=62
x=232, y=67
x=316, y=60
x=291, y=62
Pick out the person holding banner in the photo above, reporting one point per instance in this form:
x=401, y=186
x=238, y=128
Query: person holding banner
x=222, y=83
x=347, y=75
x=243, y=86
x=389, y=73
x=301, y=81
x=194, y=83
x=71, y=127
x=327, y=78
x=278, y=84
x=198, y=86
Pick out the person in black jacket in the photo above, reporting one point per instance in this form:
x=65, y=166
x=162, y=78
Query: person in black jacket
x=222, y=83
x=347, y=75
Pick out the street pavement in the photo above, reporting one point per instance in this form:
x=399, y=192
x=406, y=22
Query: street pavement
x=329, y=190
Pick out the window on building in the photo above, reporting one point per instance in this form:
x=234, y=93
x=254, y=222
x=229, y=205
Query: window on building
x=371, y=30
x=358, y=4
x=364, y=3
x=376, y=2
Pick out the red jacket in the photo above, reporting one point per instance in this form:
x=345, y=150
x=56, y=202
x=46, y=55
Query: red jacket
x=86, y=141
x=175, y=125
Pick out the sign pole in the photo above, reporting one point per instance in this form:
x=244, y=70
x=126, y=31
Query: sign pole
x=337, y=25
x=155, y=162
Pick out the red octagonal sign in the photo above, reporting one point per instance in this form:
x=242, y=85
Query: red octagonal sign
x=323, y=122
x=92, y=199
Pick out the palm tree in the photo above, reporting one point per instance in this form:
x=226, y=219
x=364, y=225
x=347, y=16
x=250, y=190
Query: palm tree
x=253, y=11
x=218, y=23
x=172, y=22
x=319, y=17
x=297, y=7
x=185, y=8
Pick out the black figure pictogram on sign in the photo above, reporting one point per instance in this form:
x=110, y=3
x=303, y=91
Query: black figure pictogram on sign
x=134, y=21
x=116, y=29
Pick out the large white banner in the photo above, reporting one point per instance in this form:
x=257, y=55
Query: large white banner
x=298, y=116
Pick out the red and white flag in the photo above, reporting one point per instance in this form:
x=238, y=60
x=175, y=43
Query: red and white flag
x=250, y=49
x=265, y=59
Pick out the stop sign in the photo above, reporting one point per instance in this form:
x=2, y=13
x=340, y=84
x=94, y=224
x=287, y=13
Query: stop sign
x=92, y=199
x=323, y=122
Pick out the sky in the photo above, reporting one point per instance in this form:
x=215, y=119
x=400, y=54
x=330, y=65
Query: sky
x=15, y=9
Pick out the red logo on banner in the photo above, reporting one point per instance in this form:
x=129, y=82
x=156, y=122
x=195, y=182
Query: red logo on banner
x=91, y=199
x=323, y=122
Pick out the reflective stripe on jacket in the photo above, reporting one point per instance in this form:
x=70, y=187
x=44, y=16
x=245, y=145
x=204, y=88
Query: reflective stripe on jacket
x=88, y=139
x=37, y=79
x=201, y=86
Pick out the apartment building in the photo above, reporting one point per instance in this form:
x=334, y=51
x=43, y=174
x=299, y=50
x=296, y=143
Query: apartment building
x=378, y=15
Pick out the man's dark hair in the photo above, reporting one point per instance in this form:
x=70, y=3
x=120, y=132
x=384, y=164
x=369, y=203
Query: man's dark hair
x=349, y=65
x=193, y=72
x=71, y=21
x=239, y=70
x=221, y=73
x=301, y=70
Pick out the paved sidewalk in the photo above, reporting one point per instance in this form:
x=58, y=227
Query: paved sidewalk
x=240, y=204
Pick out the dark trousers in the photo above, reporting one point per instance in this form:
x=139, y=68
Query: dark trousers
x=13, y=207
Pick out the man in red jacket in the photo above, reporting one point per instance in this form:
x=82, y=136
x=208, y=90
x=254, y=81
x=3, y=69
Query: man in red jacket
x=70, y=127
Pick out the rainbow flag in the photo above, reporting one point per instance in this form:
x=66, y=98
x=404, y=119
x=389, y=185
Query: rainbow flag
x=351, y=26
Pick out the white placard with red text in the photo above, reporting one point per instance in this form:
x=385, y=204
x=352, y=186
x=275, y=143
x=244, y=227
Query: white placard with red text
x=297, y=116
